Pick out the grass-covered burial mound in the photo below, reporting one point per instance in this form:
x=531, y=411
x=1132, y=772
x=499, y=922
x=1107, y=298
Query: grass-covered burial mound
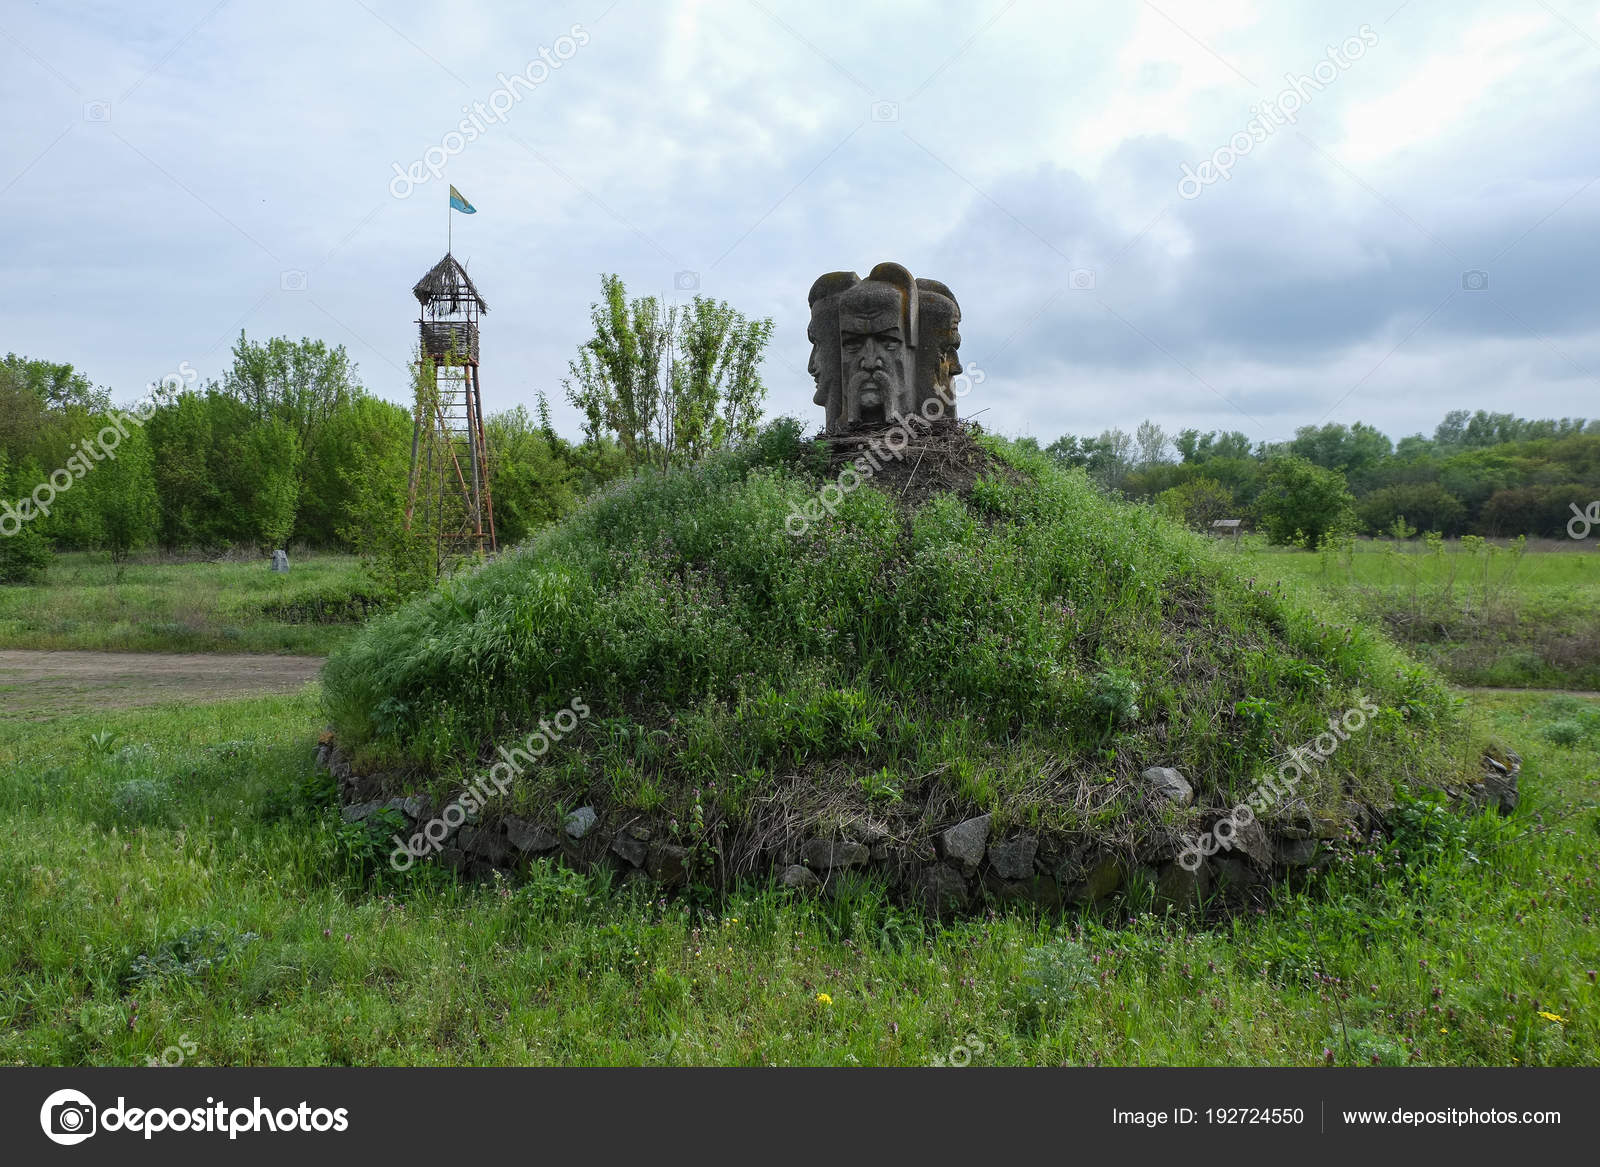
x=978, y=679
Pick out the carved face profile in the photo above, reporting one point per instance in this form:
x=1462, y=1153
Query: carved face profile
x=823, y=333
x=876, y=353
x=939, y=357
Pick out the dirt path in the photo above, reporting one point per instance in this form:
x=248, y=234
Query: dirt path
x=45, y=684
x=1546, y=692
x=36, y=684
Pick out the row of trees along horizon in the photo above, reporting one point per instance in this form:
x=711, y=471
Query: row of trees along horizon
x=1481, y=473
x=290, y=449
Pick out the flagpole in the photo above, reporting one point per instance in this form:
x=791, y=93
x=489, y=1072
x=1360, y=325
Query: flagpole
x=449, y=229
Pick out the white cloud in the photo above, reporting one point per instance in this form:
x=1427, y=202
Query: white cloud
x=737, y=140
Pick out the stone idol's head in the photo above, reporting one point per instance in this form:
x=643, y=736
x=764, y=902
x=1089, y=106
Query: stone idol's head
x=823, y=333
x=938, y=354
x=882, y=348
x=877, y=345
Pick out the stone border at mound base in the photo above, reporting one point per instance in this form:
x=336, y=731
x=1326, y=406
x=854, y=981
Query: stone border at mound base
x=960, y=866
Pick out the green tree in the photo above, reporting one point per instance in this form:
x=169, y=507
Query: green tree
x=122, y=492
x=533, y=480
x=1353, y=451
x=1193, y=446
x=369, y=437
x=1198, y=503
x=251, y=468
x=673, y=384
x=1427, y=506
x=267, y=493
x=24, y=550
x=302, y=383
x=188, y=499
x=53, y=385
x=1151, y=442
x=305, y=385
x=1302, y=503
x=716, y=388
x=401, y=537
x=1541, y=511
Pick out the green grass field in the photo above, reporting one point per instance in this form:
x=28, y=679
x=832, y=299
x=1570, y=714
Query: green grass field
x=87, y=602
x=176, y=883
x=1481, y=614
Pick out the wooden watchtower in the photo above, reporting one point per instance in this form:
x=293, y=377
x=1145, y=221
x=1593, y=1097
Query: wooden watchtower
x=449, y=453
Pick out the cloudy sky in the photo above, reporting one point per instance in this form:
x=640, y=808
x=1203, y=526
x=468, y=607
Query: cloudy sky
x=1414, y=230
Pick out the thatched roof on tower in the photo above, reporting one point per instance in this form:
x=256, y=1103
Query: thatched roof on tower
x=447, y=285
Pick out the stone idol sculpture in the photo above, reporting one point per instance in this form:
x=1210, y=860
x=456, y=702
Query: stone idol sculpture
x=882, y=347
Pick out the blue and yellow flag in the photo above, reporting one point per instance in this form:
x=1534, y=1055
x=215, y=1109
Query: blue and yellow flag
x=458, y=202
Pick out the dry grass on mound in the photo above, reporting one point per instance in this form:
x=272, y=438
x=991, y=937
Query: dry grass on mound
x=917, y=461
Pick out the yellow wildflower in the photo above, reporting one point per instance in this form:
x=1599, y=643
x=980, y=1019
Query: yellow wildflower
x=1552, y=1016
x=824, y=999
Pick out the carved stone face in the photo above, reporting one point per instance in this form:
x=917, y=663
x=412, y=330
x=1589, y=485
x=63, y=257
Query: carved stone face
x=882, y=348
x=823, y=333
x=877, y=362
x=814, y=366
x=950, y=351
x=938, y=356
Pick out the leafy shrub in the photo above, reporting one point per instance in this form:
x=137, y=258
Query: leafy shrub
x=24, y=557
x=1114, y=696
x=1534, y=510
x=782, y=442
x=100, y=743
x=363, y=847
x=185, y=955
x=1198, y=503
x=1572, y=731
x=1367, y=1047
x=1424, y=830
x=1054, y=977
x=1567, y=732
x=310, y=794
x=142, y=802
x=1425, y=506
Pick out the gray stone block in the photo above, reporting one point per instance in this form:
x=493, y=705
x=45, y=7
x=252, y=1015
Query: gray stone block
x=1013, y=858
x=826, y=854
x=964, y=843
x=1169, y=784
x=530, y=838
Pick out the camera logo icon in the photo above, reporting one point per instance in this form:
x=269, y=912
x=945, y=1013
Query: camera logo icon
x=68, y=1117
x=293, y=280
x=885, y=111
x=1081, y=279
x=1475, y=281
x=686, y=281
x=97, y=111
